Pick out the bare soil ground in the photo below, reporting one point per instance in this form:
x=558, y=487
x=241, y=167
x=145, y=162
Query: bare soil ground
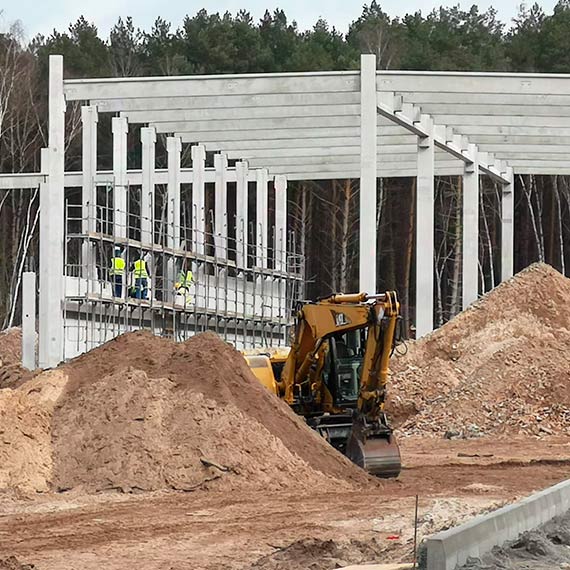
x=236, y=530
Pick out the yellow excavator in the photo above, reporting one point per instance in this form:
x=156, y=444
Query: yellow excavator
x=335, y=374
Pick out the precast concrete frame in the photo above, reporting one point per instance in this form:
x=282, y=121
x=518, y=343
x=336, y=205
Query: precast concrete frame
x=362, y=124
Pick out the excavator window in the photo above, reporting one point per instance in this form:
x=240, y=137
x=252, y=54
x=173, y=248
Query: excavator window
x=343, y=378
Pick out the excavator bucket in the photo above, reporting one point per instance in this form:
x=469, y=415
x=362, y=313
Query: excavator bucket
x=378, y=454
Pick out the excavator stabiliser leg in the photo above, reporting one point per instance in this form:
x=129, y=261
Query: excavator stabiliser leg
x=374, y=448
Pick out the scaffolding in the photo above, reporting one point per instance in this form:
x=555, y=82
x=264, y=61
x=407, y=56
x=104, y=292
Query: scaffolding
x=242, y=289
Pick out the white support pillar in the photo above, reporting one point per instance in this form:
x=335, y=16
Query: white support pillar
x=262, y=178
x=280, y=184
x=120, y=216
x=241, y=214
x=221, y=205
x=471, y=228
x=173, y=148
x=198, y=197
x=425, y=231
x=51, y=225
x=368, y=173
x=89, y=121
x=29, y=320
x=507, y=227
x=148, y=139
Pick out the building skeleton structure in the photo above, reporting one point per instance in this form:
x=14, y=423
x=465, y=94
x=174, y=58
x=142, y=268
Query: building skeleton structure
x=364, y=124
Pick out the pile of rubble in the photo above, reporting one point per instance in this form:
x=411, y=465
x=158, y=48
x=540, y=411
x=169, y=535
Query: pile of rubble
x=500, y=367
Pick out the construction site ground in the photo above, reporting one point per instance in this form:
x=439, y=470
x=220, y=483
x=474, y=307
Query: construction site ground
x=211, y=530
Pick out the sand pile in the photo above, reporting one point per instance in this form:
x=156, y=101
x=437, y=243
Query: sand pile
x=11, y=372
x=144, y=413
x=501, y=366
x=25, y=432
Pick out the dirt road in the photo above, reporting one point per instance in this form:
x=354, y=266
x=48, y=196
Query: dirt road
x=174, y=530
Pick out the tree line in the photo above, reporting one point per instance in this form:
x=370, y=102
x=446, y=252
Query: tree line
x=324, y=214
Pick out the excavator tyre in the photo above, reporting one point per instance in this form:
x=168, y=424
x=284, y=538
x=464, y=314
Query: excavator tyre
x=375, y=449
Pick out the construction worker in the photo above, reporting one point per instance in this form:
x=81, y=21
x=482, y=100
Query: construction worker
x=182, y=286
x=117, y=272
x=140, y=278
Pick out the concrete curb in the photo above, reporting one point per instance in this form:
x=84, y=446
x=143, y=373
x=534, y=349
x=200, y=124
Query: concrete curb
x=450, y=548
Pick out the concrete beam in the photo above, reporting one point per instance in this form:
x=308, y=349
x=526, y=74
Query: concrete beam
x=467, y=83
x=226, y=101
x=211, y=85
x=242, y=125
x=368, y=174
x=425, y=232
x=451, y=548
x=241, y=113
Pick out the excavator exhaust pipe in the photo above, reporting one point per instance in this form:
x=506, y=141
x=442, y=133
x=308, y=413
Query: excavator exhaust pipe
x=375, y=449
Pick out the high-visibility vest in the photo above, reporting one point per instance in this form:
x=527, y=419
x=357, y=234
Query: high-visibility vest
x=140, y=269
x=184, y=280
x=117, y=266
x=188, y=279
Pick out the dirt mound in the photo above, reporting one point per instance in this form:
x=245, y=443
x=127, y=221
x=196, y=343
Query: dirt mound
x=321, y=555
x=142, y=412
x=11, y=372
x=13, y=563
x=501, y=366
x=25, y=432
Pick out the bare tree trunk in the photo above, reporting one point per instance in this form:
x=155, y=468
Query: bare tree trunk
x=347, y=194
x=454, y=302
x=536, y=225
x=488, y=243
x=560, y=228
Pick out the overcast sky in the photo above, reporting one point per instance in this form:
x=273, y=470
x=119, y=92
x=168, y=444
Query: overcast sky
x=42, y=16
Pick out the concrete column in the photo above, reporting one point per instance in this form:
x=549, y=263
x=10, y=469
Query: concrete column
x=120, y=217
x=507, y=227
x=148, y=139
x=221, y=205
x=174, y=148
x=198, y=195
x=29, y=320
x=241, y=213
x=424, y=232
x=51, y=224
x=471, y=228
x=89, y=120
x=262, y=178
x=280, y=184
x=368, y=173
